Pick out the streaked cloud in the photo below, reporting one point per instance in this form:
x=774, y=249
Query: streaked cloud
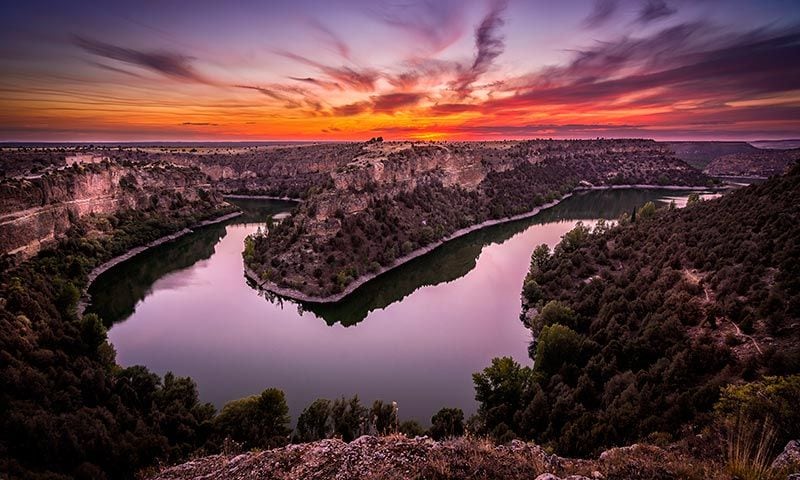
x=421, y=68
x=166, y=63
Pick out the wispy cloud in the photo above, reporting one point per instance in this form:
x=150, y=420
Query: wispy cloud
x=601, y=12
x=389, y=103
x=331, y=38
x=167, y=63
x=653, y=10
x=489, y=44
x=433, y=24
x=327, y=85
x=698, y=73
x=362, y=80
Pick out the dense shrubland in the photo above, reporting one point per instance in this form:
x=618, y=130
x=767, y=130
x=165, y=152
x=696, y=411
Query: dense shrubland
x=65, y=406
x=639, y=326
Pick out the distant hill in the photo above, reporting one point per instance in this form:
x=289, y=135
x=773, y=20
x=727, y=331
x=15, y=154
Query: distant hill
x=777, y=144
x=700, y=154
x=763, y=163
x=738, y=159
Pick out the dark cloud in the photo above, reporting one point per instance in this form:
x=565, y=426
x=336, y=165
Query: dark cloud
x=166, y=63
x=388, y=103
x=653, y=10
x=424, y=72
x=489, y=44
x=327, y=85
x=601, y=12
x=352, y=109
x=391, y=102
x=200, y=124
x=452, y=108
x=115, y=69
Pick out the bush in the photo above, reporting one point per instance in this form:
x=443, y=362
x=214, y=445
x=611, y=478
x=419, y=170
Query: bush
x=258, y=421
x=772, y=400
x=447, y=423
x=315, y=422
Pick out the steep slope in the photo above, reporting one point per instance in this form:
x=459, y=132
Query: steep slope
x=638, y=326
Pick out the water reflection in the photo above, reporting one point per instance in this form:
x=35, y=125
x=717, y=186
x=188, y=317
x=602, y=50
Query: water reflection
x=117, y=291
x=421, y=331
x=458, y=257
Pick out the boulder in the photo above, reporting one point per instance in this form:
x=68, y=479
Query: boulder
x=789, y=458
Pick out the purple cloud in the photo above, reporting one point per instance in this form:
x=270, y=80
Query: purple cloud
x=653, y=10
x=489, y=45
x=166, y=63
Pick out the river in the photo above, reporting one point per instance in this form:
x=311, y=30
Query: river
x=414, y=335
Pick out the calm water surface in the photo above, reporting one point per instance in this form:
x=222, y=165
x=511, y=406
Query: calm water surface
x=414, y=335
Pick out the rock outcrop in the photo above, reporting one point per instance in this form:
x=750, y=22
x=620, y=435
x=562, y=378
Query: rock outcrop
x=398, y=457
x=789, y=459
x=36, y=211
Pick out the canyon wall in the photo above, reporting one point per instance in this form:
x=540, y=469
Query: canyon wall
x=36, y=210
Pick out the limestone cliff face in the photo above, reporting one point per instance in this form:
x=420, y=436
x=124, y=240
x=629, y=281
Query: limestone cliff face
x=35, y=211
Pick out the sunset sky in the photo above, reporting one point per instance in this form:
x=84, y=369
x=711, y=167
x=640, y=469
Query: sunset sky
x=341, y=70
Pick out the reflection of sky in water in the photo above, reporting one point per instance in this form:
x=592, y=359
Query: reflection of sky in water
x=205, y=322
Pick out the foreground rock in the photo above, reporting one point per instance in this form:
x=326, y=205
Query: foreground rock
x=398, y=457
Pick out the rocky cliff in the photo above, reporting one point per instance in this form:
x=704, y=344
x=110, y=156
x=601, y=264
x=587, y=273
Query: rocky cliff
x=398, y=457
x=35, y=210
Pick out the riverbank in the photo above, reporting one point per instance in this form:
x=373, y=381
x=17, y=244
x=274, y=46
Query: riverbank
x=262, y=197
x=355, y=284
x=100, y=269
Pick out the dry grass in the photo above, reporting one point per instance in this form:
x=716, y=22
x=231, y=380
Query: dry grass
x=750, y=448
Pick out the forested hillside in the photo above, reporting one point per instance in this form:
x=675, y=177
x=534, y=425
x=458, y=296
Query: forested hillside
x=638, y=326
x=67, y=410
x=397, y=198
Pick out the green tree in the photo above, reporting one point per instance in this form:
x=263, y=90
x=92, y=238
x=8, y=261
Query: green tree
x=446, y=423
x=540, y=259
x=531, y=291
x=411, y=429
x=349, y=418
x=556, y=312
x=647, y=210
x=556, y=345
x=258, y=421
x=694, y=197
x=93, y=332
x=67, y=299
x=574, y=239
x=315, y=422
x=499, y=390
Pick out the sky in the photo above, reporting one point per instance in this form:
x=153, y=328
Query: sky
x=161, y=70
